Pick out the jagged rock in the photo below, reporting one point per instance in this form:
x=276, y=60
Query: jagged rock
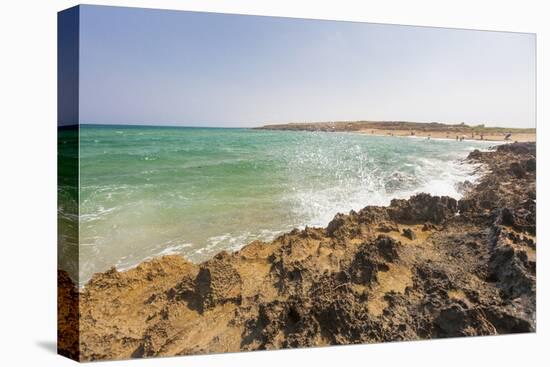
x=423, y=208
x=352, y=282
x=386, y=228
x=511, y=268
x=387, y=247
x=519, y=149
x=459, y=321
x=428, y=227
x=372, y=257
x=218, y=282
x=475, y=154
x=530, y=165
x=408, y=233
x=518, y=169
x=343, y=225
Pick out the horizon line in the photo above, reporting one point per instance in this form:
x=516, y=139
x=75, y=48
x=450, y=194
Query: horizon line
x=299, y=123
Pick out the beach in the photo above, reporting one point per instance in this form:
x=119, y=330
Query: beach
x=452, y=135
x=432, y=130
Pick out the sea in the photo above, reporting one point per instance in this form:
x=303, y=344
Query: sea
x=147, y=191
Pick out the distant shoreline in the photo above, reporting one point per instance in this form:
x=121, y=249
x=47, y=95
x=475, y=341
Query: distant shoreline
x=434, y=130
x=439, y=135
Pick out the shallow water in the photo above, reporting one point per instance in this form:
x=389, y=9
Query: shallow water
x=148, y=191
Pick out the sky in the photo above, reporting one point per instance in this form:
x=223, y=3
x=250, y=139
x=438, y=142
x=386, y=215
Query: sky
x=160, y=67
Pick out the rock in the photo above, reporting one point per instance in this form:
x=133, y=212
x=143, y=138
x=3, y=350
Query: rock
x=428, y=227
x=387, y=248
x=423, y=208
x=459, y=321
x=408, y=233
x=518, y=149
x=218, y=282
x=465, y=186
x=386, y=228
x=67, y=316
x=475, y=154
x=510, y=320
x=467, y=205
x=472, y=274
x=517, y=169
x=336, y=223
x=343, y=225
x=506, y=217
x=530, y=165
x=511, y=269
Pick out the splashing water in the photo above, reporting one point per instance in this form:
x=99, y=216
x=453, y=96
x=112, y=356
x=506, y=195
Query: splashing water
x=150, y=191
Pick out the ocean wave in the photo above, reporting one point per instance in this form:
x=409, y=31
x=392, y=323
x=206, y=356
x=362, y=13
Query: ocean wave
x=98, y=214
x=253, y=191
x=232, y=242
x=439, y=177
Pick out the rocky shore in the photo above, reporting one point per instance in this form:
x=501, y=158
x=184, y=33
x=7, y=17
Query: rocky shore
x=422, y=268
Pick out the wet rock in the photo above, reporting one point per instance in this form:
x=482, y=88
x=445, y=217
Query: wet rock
x=466, y=206
x=423, y=208
x=476, y=154
x=372, y=215
x=343, y=225
x=465, y=186
x=336, y=223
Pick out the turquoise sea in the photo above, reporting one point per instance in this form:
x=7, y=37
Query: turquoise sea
x=149, y=191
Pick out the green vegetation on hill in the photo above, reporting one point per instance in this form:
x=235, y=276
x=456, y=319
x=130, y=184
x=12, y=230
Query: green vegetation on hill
x=394, y=125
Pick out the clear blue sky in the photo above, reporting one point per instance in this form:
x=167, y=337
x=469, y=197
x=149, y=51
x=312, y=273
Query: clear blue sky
x=142, y=66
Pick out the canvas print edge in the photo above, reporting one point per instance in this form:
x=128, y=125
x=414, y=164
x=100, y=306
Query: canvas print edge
x=360, y=279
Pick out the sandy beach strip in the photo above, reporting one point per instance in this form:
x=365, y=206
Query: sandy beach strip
x=519, y=137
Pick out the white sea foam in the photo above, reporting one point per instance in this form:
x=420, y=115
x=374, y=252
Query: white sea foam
x=215, y=195
x=231, y=242
x=176, y=249
x=371, y=186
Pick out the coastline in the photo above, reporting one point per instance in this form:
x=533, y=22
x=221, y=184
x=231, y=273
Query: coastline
x=433, y=130
x=439, y=135
x=361, y=279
